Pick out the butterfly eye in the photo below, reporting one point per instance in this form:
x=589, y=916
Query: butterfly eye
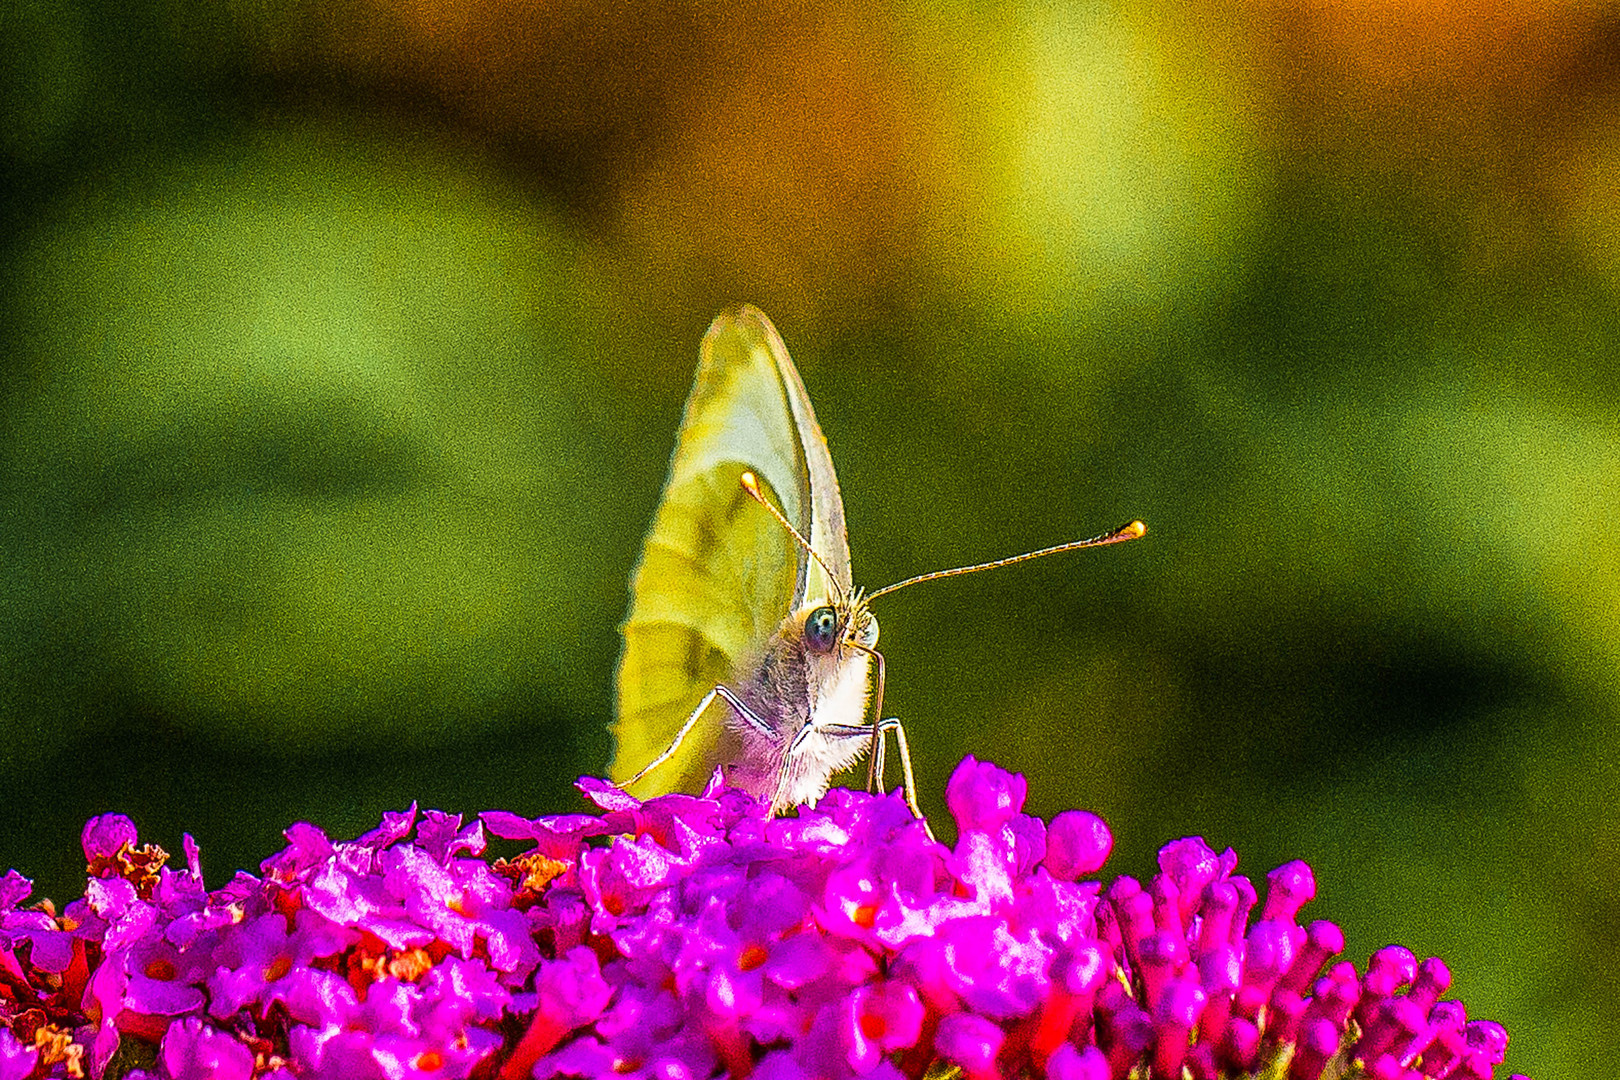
x=821, y=629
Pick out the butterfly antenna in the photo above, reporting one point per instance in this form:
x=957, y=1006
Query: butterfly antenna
x=1116, y=536
x=750, y=484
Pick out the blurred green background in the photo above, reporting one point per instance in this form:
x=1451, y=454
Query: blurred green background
x=344, y=346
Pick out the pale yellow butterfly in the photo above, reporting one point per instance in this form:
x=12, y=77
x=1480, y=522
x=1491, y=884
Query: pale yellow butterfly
x=747, y=645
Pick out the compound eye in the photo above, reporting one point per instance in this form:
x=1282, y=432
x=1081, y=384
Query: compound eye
x=821, y=629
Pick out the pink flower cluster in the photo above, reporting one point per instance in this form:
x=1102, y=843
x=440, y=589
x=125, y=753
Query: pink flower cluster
x=688, y=937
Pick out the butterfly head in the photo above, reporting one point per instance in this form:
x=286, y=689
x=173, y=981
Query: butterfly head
x=833, y=643
x=846, y=623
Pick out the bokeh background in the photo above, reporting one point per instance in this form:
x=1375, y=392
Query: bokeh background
x=344, y=345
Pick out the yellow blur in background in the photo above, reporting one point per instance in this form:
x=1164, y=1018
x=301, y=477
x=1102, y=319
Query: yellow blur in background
x=344, y=346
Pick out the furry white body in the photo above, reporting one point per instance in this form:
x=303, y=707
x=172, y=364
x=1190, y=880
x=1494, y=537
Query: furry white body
x=803, y=715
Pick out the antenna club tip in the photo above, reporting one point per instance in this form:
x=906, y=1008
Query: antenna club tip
x=1134, y=529
x=749, y=481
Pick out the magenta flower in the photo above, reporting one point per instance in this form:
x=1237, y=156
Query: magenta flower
x=690, y=937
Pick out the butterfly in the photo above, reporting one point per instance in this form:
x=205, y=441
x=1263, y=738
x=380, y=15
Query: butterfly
x=747, y=645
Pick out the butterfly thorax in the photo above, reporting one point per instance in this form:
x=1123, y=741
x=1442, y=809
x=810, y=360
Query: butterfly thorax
x=795, y=688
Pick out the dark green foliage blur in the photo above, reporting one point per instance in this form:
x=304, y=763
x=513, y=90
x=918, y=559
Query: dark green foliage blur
x=343, y=347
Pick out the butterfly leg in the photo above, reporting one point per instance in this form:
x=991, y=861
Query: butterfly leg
x=730, y=698
x=874, y=761
x=908, y=778
x=884, y=727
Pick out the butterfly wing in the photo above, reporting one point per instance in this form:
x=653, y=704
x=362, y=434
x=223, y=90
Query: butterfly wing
x=717, y=575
